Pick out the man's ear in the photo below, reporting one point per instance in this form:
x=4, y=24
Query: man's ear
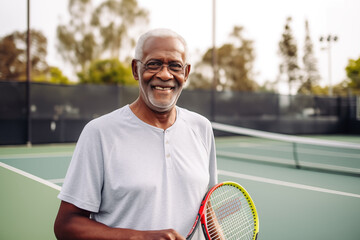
x=134, y=68
x=187, y=71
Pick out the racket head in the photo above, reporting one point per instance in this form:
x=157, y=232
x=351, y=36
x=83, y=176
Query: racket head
x=228, y=212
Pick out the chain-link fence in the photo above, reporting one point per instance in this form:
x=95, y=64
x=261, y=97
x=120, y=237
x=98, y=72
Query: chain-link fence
x=59, y=112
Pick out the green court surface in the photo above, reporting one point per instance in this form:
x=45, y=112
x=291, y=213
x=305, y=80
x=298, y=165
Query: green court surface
x=292, y=203
x=28, y=207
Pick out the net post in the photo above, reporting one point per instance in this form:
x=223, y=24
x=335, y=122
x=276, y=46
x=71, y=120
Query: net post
x=297, y=163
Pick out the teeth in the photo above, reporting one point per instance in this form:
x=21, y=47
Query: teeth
x=162, y=88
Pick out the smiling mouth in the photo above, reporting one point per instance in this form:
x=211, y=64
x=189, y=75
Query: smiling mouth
x=162, y=88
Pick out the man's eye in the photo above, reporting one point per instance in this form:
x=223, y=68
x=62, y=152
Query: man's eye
x=175, y=66
x=154, y=64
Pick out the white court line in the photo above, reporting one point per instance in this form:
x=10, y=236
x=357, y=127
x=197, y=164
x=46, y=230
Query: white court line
x=30, y=176
x=286, y=184
x=56, y=180
x=221, y=172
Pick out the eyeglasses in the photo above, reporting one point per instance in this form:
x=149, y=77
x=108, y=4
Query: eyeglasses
x=155, y=66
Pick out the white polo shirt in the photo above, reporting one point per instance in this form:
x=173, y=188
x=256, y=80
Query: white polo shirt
x=133, y=175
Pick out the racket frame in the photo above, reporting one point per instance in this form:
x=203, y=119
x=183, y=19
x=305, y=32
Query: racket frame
x=201, y=217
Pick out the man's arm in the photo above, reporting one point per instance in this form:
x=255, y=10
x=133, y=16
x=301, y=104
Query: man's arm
x=75, y=223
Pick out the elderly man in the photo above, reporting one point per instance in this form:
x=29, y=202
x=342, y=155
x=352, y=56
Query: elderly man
x=141, y=171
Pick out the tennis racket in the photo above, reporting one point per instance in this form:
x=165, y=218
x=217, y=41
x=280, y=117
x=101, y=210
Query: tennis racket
x=227, y=212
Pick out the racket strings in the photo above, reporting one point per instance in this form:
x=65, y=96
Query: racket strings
x=229, y=215
x=242, y=231
x=245, y=227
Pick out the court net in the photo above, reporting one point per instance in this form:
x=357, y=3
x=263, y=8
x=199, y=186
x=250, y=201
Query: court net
x=300, y=152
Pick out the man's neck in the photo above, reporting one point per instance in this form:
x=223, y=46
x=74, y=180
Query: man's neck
x=161, y=120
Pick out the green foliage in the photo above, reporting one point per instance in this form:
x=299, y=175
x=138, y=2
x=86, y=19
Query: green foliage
x=310, y=76
x=289, y=68
x=197, y=80
x=57, y=77
x=98, y=32
x=76, y=39
x=53, y=76
x=108, y=71
x=113, y=18
x=340, y=89
x=13, y=55
x=353, y=73
x=234, y=63
x=12, y=66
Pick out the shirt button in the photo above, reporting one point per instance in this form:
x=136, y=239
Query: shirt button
x=168, y=155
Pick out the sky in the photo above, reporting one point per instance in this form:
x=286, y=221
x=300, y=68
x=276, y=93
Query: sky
x=263, y=22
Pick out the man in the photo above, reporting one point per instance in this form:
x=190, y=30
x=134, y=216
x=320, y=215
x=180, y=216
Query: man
x=141, y=171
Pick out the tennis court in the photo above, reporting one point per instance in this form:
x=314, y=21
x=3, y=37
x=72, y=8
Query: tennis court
x=321, y=200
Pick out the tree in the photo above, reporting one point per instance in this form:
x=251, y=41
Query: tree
x=57, y=77
x=54, y=76
x=353, y=73
x=114, y=18
x=11, y=65
x=109, y=71
x=235, y=62
x=13, y=55
x=310, y=76
x=199, y=79
x=289, y=68
x=76, y=40
x=351, y=85
x=93, y=32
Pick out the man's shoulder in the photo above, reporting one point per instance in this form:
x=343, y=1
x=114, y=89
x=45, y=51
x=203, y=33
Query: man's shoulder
x=117, y=116
x=194, y=119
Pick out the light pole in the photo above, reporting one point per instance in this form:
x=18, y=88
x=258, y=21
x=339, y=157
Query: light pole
x=28, y=77
x=329, y=39
x=213, y=62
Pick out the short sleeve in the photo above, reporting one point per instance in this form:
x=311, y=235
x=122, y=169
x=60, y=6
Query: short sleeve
x=84, y=179
x=212, y=156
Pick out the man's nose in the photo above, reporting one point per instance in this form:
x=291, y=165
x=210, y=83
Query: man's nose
x=164, y=73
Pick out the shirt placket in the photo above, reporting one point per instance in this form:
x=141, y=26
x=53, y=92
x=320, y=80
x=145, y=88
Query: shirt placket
x=167, y=148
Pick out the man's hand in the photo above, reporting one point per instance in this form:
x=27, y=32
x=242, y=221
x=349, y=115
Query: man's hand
x=215, y=230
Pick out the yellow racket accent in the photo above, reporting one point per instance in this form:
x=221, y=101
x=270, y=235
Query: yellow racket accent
x=231, y=213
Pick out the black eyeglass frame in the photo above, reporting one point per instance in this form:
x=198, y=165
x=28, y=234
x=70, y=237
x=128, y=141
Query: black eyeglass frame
x=158, y=69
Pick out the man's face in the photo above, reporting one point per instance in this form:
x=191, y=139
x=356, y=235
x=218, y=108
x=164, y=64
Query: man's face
x=160, y=90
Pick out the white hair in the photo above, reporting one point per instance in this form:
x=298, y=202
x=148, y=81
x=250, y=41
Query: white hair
x=159, y=32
